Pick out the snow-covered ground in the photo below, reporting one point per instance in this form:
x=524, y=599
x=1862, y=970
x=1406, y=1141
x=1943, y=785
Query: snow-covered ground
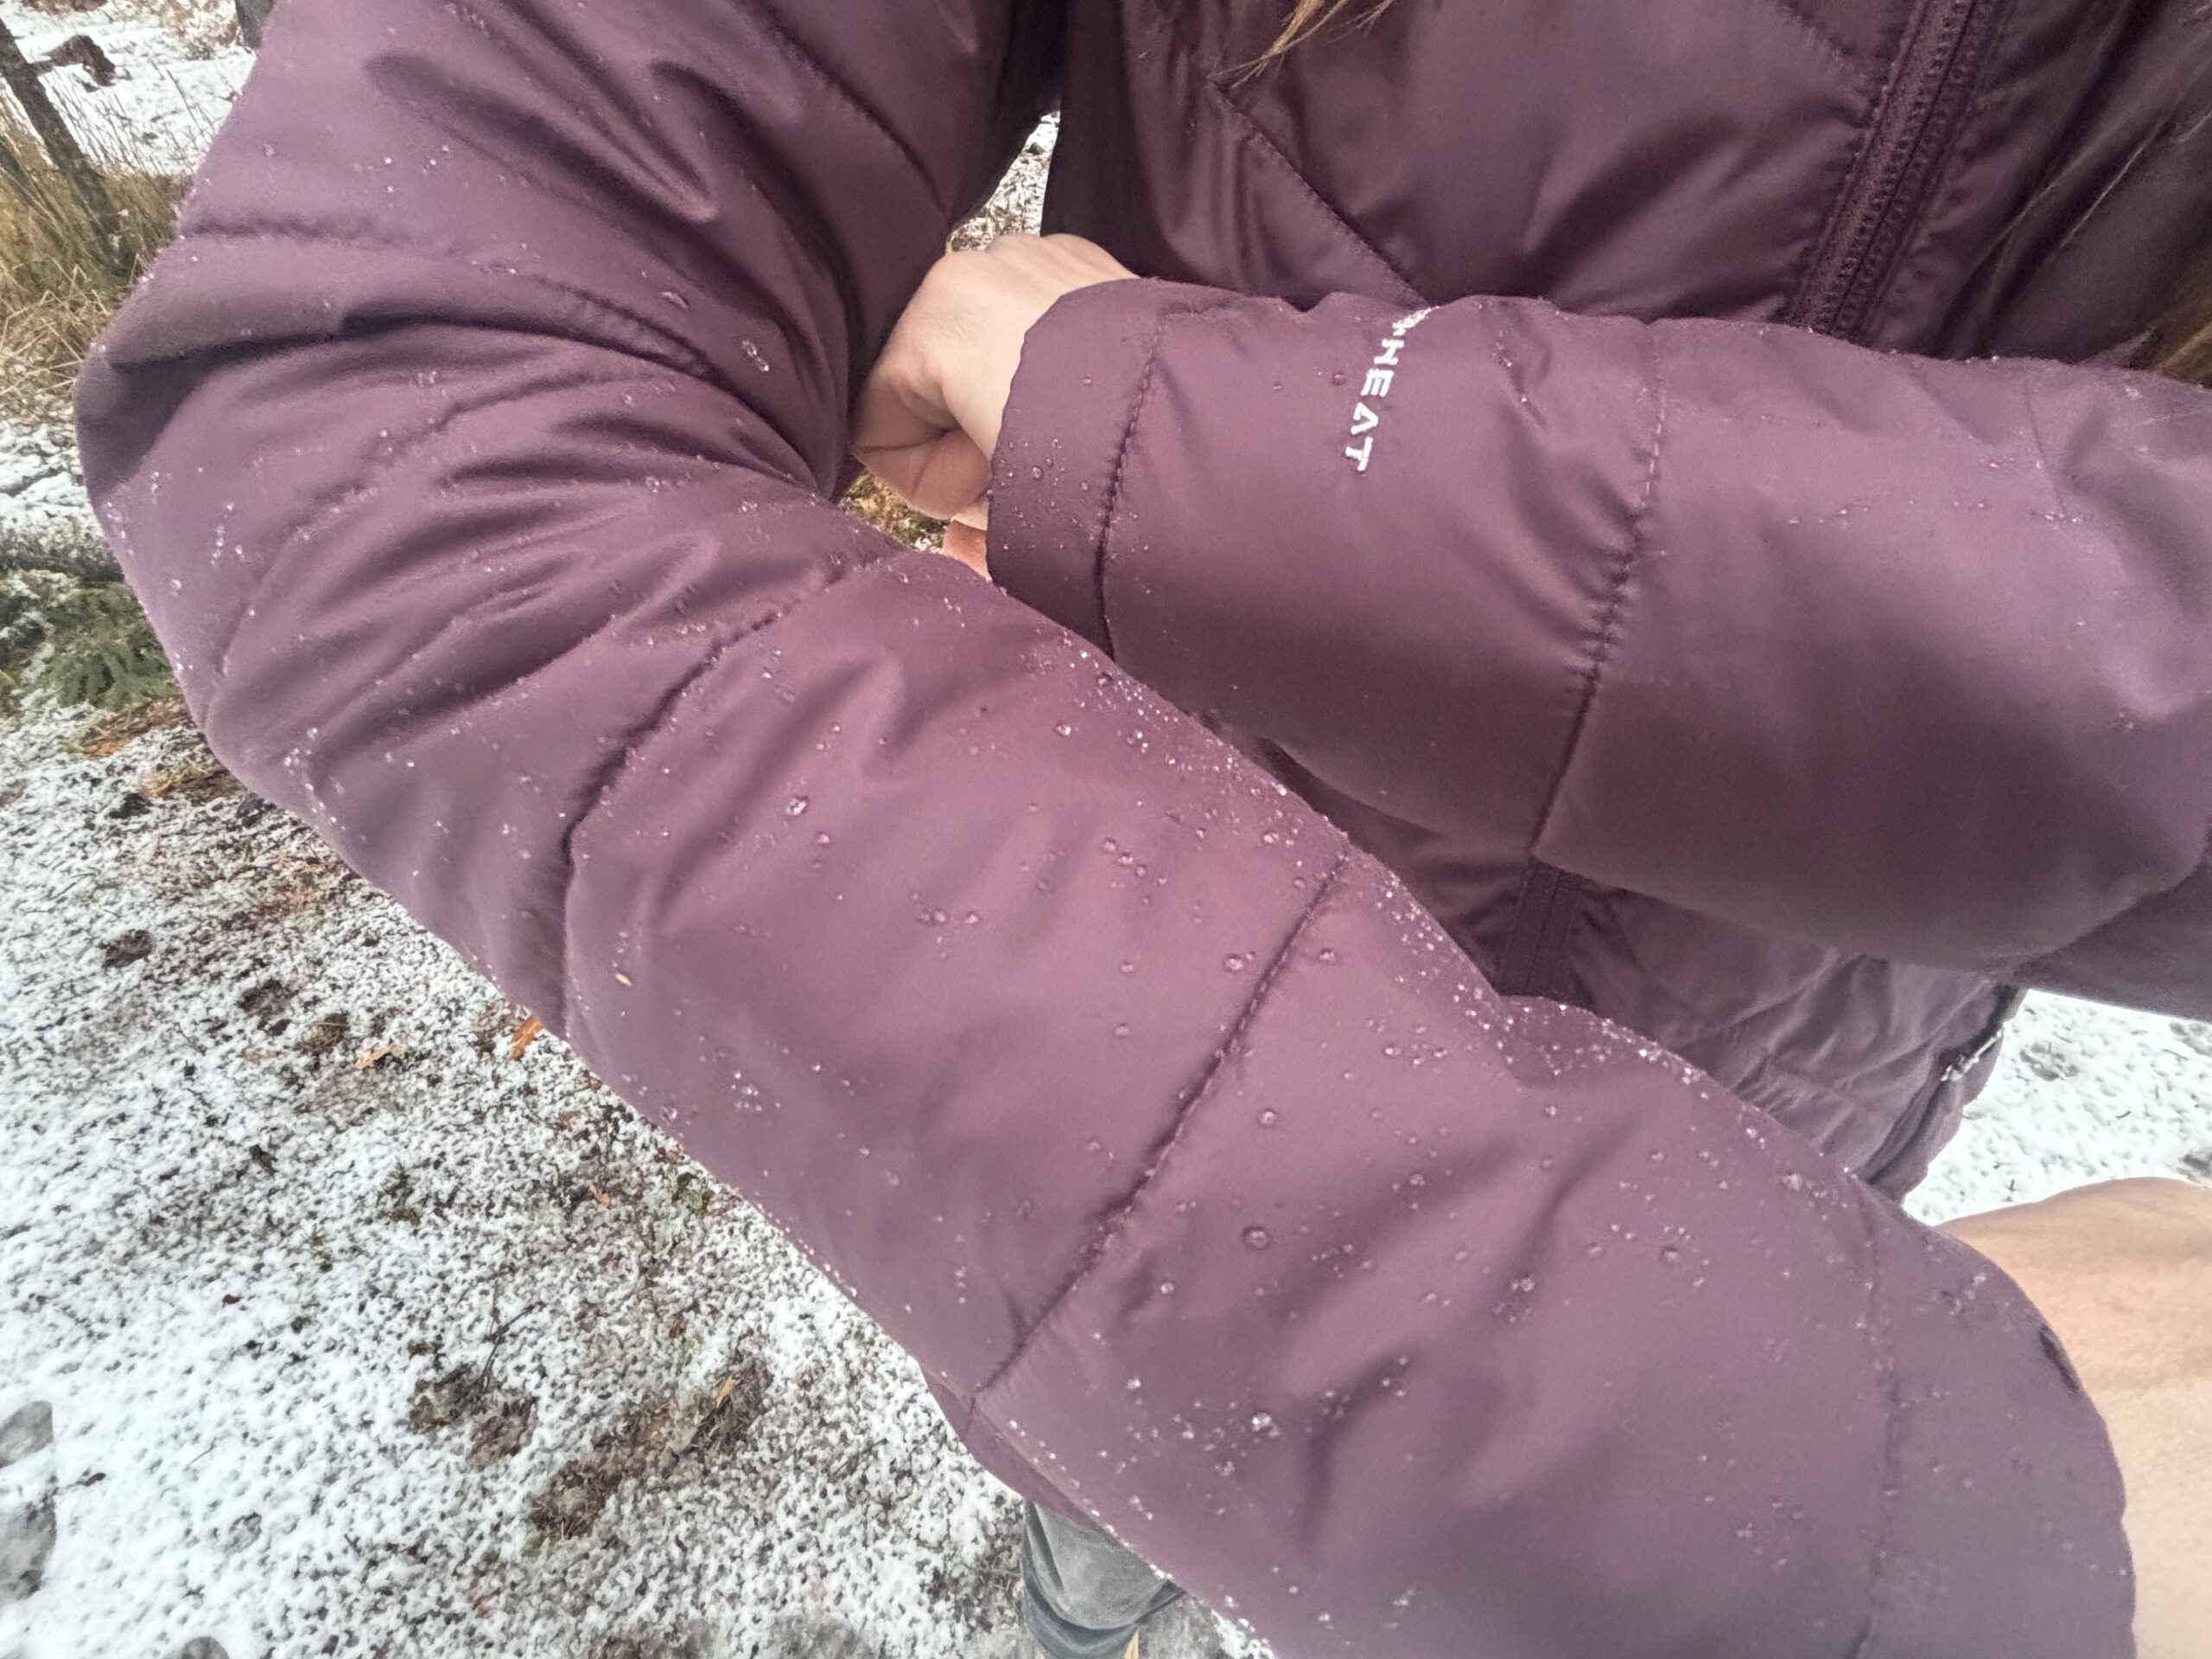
x=41, y=490
x=166, y=98
x=337, y=1315
x=358, y=1327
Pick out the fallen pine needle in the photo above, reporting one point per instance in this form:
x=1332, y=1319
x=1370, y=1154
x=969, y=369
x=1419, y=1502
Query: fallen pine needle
x=526, y=1034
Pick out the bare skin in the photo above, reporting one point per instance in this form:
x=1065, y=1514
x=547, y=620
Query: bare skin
x=2122, y=1270
x=929, y=411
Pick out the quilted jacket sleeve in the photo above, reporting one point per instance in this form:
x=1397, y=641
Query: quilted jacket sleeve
x=469, y=450
x=1910, y=658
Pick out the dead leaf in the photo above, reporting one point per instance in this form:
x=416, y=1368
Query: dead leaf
x=605, y=1203
x=526, y=1034
x=377, y=1054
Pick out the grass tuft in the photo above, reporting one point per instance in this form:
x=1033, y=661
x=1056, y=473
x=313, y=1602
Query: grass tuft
x=61, y=278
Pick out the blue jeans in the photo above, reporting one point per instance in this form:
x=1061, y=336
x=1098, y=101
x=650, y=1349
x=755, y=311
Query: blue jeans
x=1082, y=1595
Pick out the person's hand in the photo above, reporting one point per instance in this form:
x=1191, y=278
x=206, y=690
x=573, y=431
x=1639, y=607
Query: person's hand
x=928, y=412
x=2122, y=1271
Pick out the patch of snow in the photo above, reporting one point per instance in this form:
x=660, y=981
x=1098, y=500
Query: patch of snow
x=41, y=487
x=1018, y=205
x=163, y=105
x=2086, y=1093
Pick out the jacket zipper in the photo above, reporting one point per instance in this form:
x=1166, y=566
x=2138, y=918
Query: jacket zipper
x=1958, y=1065
x=1927, y=95
x=1550, y=901
x=1913, y=127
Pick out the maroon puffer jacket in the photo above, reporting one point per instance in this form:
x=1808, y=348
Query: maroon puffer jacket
x=1778, y=697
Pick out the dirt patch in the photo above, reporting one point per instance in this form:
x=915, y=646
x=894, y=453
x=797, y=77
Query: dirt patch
x=816, y=1636
x=197, y=780
x=124, y=948
x=658, y=1438
x=326, y=1035
x=653, y=1644
x=264, y=1004
x=495, y=1026
x=730, y=1410
x=569, y=1503
x=110, y=733
x=396, y=1201
x=299, y=882
x=498, y=1419
x=976, y=1594
x=690, y=1194
x=501, y=1431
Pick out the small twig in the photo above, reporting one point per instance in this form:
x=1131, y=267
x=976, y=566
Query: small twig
x=499, y=1333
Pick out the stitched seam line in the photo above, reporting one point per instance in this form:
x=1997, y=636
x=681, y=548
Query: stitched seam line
x=1137, y=403
x=1253, y=131
x=2056, y=956
x=799, y=53
x=1819, y=34
x=1877, y=94
x=611, y=769
x=1169, y=28
x=332, y=503
x=1879, y=1336
x=1113, y=502
x=1110, y=1225
x=1615, y=603
x=2050, y=474
x=320, y=512
x=630, y=330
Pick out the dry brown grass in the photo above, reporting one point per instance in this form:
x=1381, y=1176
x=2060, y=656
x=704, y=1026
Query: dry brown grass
x=869, y=501
x=203, y=27
x=60, y=278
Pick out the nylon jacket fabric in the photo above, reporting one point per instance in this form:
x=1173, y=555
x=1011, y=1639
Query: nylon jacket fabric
x=470, y=451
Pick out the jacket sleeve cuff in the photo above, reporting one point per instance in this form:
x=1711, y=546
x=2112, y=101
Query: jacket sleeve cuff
x=2003, y=1498
x=1077, y=396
